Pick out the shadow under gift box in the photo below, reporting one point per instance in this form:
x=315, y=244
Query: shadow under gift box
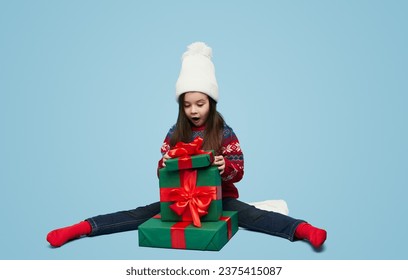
x=206, y=177
x=211, y=236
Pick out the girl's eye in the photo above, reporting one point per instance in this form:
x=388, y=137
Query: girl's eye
x=186, y=105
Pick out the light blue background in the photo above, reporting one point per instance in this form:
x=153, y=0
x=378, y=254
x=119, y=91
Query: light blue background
x=315, y=90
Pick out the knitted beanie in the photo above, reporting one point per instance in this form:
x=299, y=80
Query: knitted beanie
x=197, y=72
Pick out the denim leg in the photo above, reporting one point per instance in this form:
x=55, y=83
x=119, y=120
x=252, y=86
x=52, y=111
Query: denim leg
x=122, y=220
x=255, y=219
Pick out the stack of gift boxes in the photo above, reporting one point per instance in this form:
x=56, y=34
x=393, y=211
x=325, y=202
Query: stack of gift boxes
x=191, y=214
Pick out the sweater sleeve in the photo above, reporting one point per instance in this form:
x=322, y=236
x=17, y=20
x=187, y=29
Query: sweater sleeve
x=233, y=156
x=165, y=148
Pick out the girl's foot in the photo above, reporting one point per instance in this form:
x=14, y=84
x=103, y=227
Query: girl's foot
x=59, y=237
x=315, y=236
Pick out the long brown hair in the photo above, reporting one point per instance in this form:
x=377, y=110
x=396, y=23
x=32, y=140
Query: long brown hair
x=213, y=127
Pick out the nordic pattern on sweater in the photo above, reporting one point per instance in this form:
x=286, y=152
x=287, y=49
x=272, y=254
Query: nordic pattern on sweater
x=233, y=156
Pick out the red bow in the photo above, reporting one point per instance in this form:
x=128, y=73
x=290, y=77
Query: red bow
x=182, y=149
x=190, y=202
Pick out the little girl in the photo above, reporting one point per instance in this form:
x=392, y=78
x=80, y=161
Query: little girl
x=197, y=96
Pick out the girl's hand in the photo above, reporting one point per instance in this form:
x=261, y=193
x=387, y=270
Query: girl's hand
x=165, y=157
x=220, y=162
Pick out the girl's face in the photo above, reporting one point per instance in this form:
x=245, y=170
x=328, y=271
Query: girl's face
x=196, y=107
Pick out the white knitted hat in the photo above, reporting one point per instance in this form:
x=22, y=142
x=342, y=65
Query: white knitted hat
x=197, y=72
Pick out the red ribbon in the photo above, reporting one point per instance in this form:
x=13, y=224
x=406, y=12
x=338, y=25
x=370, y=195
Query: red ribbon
x=177, y=235
x=229, y=225
x=190, y=202
x=184, y=151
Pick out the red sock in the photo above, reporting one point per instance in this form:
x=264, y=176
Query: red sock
x=59, y=237
x=316, y=236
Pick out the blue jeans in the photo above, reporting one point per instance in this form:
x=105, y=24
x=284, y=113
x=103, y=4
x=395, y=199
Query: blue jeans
x=249, y=217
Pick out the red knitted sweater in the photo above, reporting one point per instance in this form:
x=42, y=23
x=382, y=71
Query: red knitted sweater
x=233, y=156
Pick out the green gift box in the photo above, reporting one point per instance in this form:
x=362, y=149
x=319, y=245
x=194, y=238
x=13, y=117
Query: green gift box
x=176, y=199
x=211, y=236
x=188, y=162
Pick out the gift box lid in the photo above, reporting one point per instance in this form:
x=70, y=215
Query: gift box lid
x=188, y=162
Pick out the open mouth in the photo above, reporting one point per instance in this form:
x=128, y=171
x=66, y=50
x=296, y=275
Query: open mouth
x=195, y=119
